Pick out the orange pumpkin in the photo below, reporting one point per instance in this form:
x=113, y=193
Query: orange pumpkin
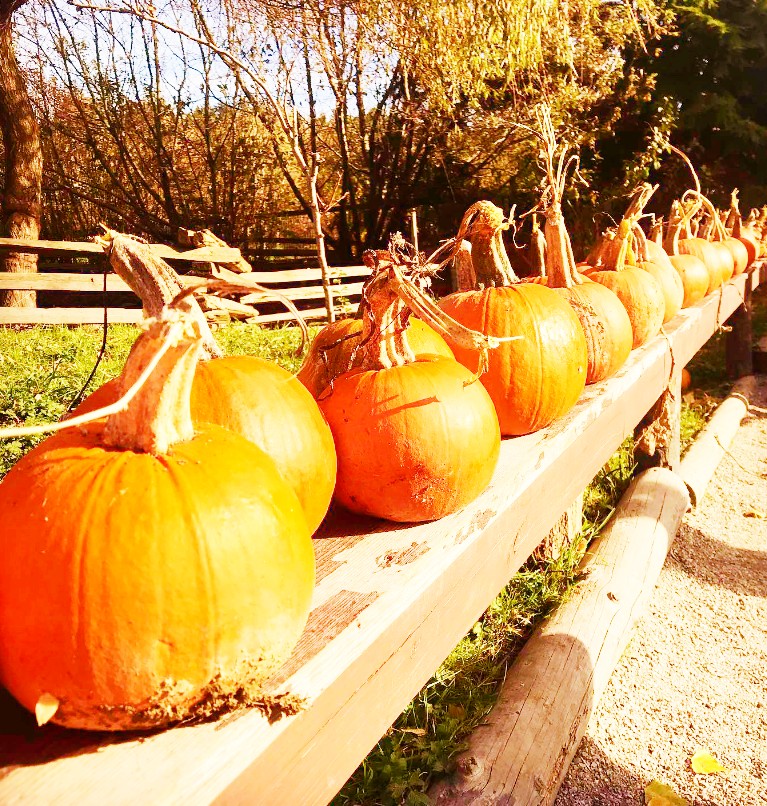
x=149, y=569
x=694, y=275
x=539, y=378
x=247, y=395
x=747, y=237
x=678, y=247
x=604, y=320
x=332, y=349
x=416, y=438
x=654, y=260
x=638, y=290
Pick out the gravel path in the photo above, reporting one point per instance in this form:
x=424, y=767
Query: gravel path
x=695, y=672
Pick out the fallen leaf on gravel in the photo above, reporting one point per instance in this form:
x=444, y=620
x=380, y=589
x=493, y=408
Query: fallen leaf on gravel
x=658, y=794
x=755, y=513
x=704, y=763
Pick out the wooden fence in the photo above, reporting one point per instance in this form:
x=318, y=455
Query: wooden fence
x=68, y=271
x=391, y=602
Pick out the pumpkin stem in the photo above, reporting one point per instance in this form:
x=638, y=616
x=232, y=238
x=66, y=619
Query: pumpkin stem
x=159, y=415
x=559, y=259
x=483, y=225
x=734, y=220
x=656, y=231
x=388, y=299
x=678, y=225
x=715, y=226
x=639, y=242
x=538, y=248
x=152, y=280
x=616, y=248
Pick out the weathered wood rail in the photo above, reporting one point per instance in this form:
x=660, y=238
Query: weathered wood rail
x=302, y=286
x=391, y=601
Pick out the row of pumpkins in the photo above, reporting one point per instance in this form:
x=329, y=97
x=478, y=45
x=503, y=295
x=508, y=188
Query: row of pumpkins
x=155, y=568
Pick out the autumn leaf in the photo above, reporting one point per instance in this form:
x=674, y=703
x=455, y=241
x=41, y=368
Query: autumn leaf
x=704, y=763
x=658, y=794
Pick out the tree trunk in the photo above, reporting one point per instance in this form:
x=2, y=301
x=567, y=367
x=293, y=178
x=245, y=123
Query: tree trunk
x=23, y=160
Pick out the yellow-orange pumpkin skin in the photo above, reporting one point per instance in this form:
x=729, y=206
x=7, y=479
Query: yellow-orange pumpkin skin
x=262, y=402
x=641, y=296
x=740, y=255
x=711, y=257
x=319, y=366
x=605, y=324
x=415, y=442
x=695, y=277
x=538, y=378
x=671, y=285
x=132, y=586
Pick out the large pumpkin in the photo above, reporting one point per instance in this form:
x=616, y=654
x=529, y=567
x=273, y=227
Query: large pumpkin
x=333, y=350
x=253, y=397
x=654, y=260
x=638, y=290
x=687, y=256
x=540, y=377
x=747, y=237
x=604, y=320
x=264, y=403
x=150, y=570
x=416, y=438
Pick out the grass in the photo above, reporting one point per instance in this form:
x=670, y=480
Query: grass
x=42, y=371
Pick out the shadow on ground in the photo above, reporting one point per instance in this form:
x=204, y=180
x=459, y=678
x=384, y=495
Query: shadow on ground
x=713, y=562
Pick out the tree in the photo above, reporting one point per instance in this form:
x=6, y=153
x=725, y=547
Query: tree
x=23, y=158
x=713, y=74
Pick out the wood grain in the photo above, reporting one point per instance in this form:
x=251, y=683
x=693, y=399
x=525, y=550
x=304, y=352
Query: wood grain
x=521, y=753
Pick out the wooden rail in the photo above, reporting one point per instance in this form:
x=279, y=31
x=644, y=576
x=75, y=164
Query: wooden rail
x=391, y=602
x=301, y=285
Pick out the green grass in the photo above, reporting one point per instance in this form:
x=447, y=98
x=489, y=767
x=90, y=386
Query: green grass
x=42, y=370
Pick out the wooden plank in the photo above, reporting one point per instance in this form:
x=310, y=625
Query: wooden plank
x=208, y=254
x=424, y=585
x=305, y=275
x=69, y=316
x=738, y=342
x=41, y=281
x=522, y=751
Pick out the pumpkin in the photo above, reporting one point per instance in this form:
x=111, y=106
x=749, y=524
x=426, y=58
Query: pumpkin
x=253, y=397
x=604, y=320
x=151, y=569
x=654, y=260
x=639, y=291
x=417, y=438
x=696, y=277
x=747, y=237
x=539, y=378
x=686, y=379
x=333, y=350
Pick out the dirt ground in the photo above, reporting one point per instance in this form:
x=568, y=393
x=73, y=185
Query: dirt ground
x=695, y=672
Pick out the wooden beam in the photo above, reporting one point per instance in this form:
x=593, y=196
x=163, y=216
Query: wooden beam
x=703, y=457
x=522, y=752
x=206, y=254
x=391, y=602
x=69, y=316
x=739, y=340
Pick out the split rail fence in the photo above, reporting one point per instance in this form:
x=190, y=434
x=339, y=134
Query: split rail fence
x=391, y=602
x=68, y=268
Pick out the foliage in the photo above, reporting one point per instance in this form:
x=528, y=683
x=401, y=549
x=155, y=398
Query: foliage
x=403, y=110
x=713, y=73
